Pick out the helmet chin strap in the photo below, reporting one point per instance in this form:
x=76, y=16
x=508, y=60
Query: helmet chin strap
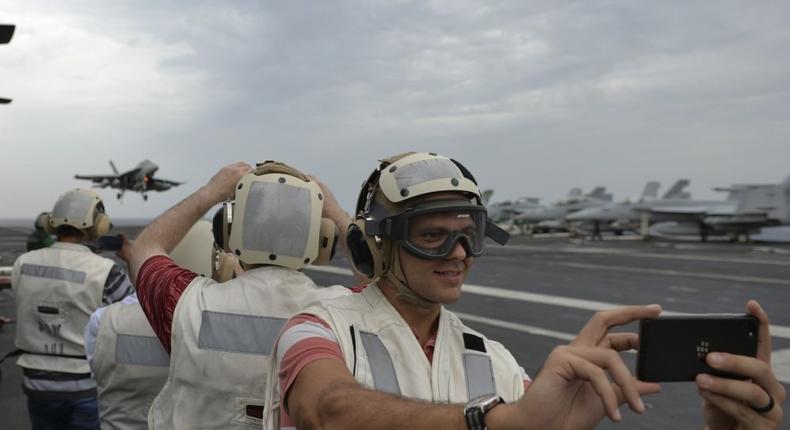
x=397, y=278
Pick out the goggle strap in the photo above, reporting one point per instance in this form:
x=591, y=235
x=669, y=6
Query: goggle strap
x=378, y=228
x=496, y=233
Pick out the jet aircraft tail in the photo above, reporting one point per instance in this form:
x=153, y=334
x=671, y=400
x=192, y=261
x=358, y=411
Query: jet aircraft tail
x=676, y=190
x=651, y=190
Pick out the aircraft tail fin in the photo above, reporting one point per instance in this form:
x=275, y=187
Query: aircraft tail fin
x=114, y=169
x=651, y=190
x=676, y=191
x=600, y=194
x=486, y=194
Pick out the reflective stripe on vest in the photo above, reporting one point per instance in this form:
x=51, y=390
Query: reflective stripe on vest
x=229, y=332
x=50, y=272
x=478, y=369
x=479, y=374
x=380, y=362
x=140, y=350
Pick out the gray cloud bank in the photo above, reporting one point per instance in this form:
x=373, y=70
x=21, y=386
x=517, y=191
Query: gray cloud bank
x=535, y=97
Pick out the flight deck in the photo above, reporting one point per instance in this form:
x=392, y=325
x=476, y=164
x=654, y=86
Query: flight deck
x=536, y=293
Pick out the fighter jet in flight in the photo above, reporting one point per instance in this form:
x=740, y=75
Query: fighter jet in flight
x=140, y=179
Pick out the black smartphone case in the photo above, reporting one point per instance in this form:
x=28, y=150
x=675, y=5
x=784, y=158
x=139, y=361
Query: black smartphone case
x=673, y=349
x=109, y=243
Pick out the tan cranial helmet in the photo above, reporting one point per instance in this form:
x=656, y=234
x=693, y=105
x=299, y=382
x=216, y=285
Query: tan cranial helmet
x=275, y=219
x=397, y=194
x=195, y=251
x=81, y=209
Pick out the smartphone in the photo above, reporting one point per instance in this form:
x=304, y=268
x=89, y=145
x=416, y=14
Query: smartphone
x=673, y=348
x=109, y=243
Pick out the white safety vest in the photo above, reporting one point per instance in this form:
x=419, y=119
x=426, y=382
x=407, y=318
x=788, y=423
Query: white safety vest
x=222, y=339
x=57, y=289
x=383, y=354
x=130, y=365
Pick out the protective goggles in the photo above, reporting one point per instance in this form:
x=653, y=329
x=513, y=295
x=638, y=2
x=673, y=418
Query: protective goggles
x=431, y=230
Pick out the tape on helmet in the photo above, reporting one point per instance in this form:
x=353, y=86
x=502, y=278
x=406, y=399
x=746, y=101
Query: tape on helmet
x=397, y=193
x=275, y=218
x=81, y=209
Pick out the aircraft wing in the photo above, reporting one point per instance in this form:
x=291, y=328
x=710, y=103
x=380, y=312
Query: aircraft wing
x=101, y=180
x=694, y=210
x=162, y=184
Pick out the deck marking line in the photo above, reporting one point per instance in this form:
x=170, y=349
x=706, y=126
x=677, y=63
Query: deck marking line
x=546, y=299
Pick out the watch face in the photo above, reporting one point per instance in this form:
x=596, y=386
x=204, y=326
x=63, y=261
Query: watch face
x=475, y=410
x=484, y=402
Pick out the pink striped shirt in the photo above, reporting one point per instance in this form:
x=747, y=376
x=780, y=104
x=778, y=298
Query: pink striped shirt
x=307, y=338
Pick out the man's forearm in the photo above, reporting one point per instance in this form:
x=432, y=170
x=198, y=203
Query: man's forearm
x=349, y=406
x=167, y=230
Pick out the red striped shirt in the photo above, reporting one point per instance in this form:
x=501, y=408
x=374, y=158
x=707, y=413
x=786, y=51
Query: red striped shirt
x=160, y=283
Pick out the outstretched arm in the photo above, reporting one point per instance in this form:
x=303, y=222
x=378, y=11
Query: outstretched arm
x=573, y=391
x=166, y=231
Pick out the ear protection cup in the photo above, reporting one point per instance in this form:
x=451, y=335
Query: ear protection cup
x=220, y=225
x=46, y=221
x=327, y=242
x=224, y=267
x=41, y=221
x=369, y=255
x=227, y=224
x=217, y=227
x=101, y=225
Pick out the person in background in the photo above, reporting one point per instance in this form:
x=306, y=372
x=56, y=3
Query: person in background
x=128, y=361
x=39, y=237
x=57, y=288
x=220, y=335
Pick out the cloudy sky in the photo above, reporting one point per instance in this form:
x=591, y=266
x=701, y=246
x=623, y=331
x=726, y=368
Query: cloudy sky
x=535, y=97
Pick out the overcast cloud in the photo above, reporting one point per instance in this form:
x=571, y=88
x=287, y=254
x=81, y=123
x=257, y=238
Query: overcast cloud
x=535, y=97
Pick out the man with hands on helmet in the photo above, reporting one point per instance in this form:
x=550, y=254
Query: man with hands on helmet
x=57, y=288
x=220, y=335
x=394, y=357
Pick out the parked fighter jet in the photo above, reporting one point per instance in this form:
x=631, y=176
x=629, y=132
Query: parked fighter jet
x=747, y=209
x=504, y=211
x=552, y=218
x=6, y=33
x=140, y=179
x=619, y=217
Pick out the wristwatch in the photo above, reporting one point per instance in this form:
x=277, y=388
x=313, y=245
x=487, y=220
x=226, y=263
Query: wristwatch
x=475, y=410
